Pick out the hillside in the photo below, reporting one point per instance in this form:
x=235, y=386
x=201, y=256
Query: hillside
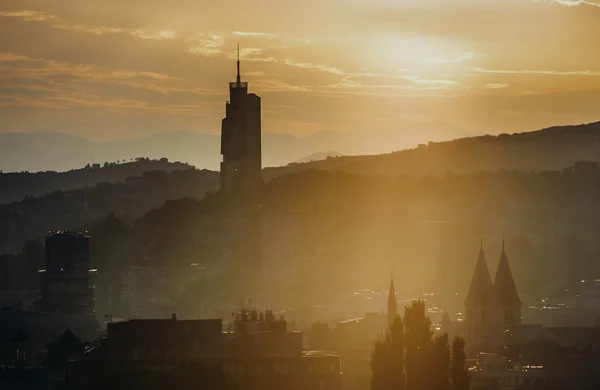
x=553, y=148
x=15, y=186
x=33, y=217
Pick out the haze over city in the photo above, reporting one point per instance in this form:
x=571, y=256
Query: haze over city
x=310, y=195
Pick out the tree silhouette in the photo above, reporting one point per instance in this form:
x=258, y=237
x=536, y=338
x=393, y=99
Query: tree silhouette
x=411, y=358
x=440, y=363
x=418, y=334
x=458, y=371
x=387, y=361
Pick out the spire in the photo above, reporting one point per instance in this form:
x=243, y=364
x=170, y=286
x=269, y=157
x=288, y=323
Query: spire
x=392, y=303
x=481, y=289
x=239, y=77
x=505, y=290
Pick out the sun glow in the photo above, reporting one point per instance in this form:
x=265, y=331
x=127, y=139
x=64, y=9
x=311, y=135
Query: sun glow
x=393, y=52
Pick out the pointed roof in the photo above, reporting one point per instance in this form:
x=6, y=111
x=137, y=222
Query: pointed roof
x=505, y=290
x=481, y=290
x=392, y=303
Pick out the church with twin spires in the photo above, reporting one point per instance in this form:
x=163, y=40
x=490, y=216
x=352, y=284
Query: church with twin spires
x=491, y=308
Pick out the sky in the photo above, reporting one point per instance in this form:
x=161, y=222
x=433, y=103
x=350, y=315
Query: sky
x=112, y=69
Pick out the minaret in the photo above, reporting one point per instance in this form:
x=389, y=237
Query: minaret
x=392, y=311
x=505, y=293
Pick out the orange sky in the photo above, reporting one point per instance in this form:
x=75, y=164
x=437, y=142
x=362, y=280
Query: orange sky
x=126, y=68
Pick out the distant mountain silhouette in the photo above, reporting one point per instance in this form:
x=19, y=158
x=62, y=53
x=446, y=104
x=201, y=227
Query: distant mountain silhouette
x=552, y=148
x=61, y=152
x=318, y=157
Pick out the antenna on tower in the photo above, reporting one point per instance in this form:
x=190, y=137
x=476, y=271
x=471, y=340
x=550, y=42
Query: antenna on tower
x=239, y=77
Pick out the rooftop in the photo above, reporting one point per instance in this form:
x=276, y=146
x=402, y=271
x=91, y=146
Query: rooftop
x=67, y=233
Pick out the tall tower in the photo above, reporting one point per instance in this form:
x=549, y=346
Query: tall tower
x=67, y=287
x=479, y=304
x=508, y=303
x=241, y=137
x=392, y=311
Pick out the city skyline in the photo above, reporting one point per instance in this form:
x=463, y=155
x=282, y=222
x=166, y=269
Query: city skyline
x=125, y=70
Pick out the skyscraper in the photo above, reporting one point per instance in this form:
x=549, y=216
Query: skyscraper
x=241, y=137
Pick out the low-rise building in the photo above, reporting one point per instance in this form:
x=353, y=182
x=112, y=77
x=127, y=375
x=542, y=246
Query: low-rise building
x=259, y=350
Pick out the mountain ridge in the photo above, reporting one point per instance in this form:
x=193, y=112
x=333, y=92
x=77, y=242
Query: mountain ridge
x=35, y=152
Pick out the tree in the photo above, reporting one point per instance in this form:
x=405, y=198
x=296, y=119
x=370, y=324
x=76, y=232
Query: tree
x=411, y=358
x=459, y=374
x=387, y=360
x=418, y=335
x=440, y=363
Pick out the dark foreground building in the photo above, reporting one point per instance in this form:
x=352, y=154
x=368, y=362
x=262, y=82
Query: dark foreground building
x=258, y=354
x=241, y=138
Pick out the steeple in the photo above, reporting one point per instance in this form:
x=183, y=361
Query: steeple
x=505, y=290
x=392, y=303
x=238, y=79
x=481, y=289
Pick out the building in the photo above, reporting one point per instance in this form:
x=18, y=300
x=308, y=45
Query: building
x=241, y=138
x=258, y=351
x=67, y=286
x=496, y=372
x=491, y=308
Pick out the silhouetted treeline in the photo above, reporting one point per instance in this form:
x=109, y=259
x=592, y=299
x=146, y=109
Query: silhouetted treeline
x=347, y=229
x=411, y=358
x=339, y=232
x=31, y=218
x=15, y=186
x=549, y=149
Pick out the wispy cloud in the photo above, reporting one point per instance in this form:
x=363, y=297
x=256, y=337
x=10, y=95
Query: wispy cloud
x=539, y=72
x=496, y=86
x=571, y=3
x=208, y=45
x=28, y=15
x=424, y=81
x=55, y=22
x=255, y=34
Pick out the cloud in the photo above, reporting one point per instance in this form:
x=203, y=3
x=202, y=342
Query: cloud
x=208, y=45
x=571, y=3
x=28, y=15
x=496, y=86
x=255, y=34
x=56, y=22
x=539, y=72
x=429, y=82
